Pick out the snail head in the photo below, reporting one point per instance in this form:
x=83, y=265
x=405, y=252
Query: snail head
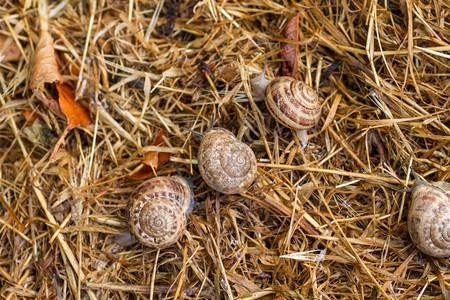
x=418, y=182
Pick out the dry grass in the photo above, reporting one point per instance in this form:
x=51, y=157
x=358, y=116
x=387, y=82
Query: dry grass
x=324, y=222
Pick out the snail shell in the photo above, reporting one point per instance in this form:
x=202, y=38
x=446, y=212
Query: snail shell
x=293, y=103
x=157, y=211
x=226, y=164
x=429, y=218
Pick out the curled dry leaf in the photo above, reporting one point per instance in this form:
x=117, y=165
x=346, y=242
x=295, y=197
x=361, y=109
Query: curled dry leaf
x=45, y=69
x=76, y=113
x=289, y=51
x=9, y=51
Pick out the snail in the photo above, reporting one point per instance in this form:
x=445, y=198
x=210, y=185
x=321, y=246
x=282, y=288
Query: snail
x=226, y=164
x=291, y=102
x=429, y=217
x=158, y=209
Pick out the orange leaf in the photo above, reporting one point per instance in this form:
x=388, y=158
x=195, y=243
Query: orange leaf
x=76, y=113
x=151, y=158
x=158, y=138
x=143, y=173
x=156, y=159
x=289, y=51
x=147, y=171
x=163, y=158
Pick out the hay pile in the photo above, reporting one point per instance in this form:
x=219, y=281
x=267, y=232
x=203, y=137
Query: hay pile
x=322, y=222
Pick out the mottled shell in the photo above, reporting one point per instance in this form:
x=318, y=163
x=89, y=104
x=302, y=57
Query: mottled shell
x=226, y=164
x=293, y=103
x=429, y=218
x=156, y=212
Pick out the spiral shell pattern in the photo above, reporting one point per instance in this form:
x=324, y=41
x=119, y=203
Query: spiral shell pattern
x=293, y=103
x=226, y=164
x=156, y=212
x=429, y=219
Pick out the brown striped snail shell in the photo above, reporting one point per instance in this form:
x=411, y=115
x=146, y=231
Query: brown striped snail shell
x=291, y=102
x=226, y=164
x=429, y=218
x=157, y=211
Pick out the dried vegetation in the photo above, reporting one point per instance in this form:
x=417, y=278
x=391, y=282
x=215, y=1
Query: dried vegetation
x=324, y=222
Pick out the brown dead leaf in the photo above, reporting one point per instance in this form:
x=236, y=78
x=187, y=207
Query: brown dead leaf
x=9, y=51
x=374, y=139
x=226, y=73
x=289, y=51
x=30, y=116
x=163, y=158
x=147, y=171
x=76, y=113
x=159, y=138
x=156, y=159
x=45, y=69
x=142, y=173
x=152, y=160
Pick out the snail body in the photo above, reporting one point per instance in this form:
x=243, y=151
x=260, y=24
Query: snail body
x=226, y=164
x=157, y=211
x=291, y=102
x=429, y=218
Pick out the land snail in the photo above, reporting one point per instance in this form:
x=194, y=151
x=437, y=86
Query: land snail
x=157, y=211
x=226, y=164
x=429, y=217
x=291, y=102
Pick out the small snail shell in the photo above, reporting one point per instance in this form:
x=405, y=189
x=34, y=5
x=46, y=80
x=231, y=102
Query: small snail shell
x=293, y=103
x=157, y=211
x=429, y=218
x=226, y=164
